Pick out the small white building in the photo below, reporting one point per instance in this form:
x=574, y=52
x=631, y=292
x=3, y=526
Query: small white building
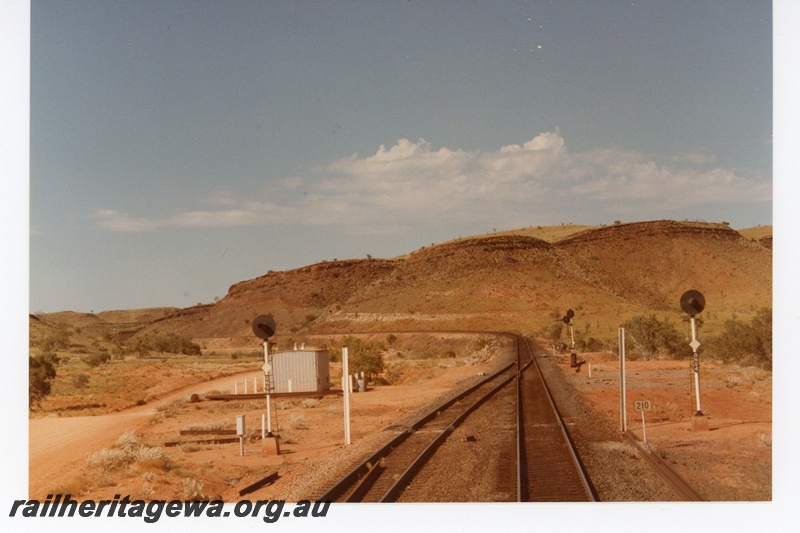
x=301, y=371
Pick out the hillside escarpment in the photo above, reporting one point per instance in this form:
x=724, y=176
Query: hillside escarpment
x=504, y=281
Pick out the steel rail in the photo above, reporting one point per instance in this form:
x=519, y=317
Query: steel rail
x=675, y=481
x=522, y=478
x=408, y=475
x=351, y=479
x=355, y=485
x=570, y=445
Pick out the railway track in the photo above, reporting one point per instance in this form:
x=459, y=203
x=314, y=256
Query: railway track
x=384, y=475
x=540, y=461
x=678, y=484
x=550, y=469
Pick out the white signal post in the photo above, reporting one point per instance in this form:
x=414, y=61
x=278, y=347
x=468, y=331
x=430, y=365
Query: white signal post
x=571, y=333
x=267, y=368
x=695, y=345
x=692, y=303
x=346, y=390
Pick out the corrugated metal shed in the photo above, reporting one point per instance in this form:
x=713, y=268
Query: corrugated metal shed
x=301, y=371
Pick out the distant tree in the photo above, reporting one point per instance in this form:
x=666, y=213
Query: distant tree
x=57, y=340
x=96, y=359
x=80, y=381
x=653, y=337
x=41, y=371
x=552, y=332
x=745, y=343
x=169, y=343
x=364, y=356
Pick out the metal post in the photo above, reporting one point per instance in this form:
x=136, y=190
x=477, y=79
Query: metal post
x=644, y=430
x=346, y=376
x=268, y=383
x=572, y=333
x=241, y=431
x=694, y=344
x=623, y=415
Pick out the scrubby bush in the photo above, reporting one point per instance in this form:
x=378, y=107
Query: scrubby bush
x=363, y=356
x=652, y=337
x=169, y=343
x=79, y=381
x=96, y=359
x=41, y=371
x=58, y=340
x=553, y=331
x=749, y=344
x=590, y=344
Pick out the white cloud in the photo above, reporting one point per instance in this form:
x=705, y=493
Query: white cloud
x=113, y=220
x=699, y=158
x=411, y=184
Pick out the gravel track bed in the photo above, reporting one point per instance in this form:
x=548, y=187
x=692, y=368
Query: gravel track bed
x=615, y=468
x=469, y=469
x=312, y=485
x=477, y=461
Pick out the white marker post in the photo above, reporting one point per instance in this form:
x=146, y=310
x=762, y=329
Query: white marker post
x=346, y=383
x=240, y=431
x=643, y=405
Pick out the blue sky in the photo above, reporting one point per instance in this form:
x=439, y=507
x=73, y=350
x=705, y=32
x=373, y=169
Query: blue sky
x=159, y=152
x=178, y=147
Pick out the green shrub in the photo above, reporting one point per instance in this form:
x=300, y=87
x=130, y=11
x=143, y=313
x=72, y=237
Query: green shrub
x=96, y=359
x=652, y=337
x=366, y=357
x=41, y=371
x=169, y=343
x=744, y=343
x=80, y=381
x=58, y=340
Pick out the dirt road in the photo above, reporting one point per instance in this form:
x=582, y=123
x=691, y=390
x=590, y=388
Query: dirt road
x=58, y=446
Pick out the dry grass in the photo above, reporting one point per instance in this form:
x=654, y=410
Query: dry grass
x=126, y=453
x=192, y=489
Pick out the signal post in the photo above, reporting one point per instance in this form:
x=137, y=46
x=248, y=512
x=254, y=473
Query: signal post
x=692, y=303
